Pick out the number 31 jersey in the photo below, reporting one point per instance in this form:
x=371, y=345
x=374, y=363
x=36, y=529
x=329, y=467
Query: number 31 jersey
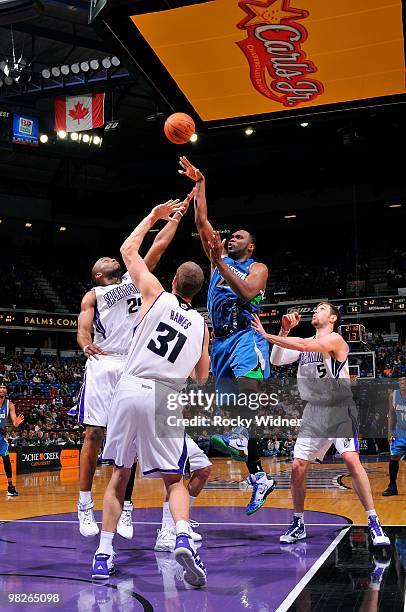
x=168, y=342
x=116, y=315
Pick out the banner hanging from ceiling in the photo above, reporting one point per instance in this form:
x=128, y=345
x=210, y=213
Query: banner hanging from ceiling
x=234, y=58
x=78, y=113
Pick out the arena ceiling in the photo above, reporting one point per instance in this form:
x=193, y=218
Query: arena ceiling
x=341, y=155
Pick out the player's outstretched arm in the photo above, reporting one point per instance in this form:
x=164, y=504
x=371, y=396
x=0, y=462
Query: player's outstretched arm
x=166, y=235
x=85, y=327
x=16, y=420
x=332, y=343
x=203, y=225
x=147, y=283
x=201, y=371
x=248, y=288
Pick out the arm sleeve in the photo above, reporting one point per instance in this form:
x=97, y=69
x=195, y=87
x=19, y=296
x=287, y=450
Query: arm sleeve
x=281, y=356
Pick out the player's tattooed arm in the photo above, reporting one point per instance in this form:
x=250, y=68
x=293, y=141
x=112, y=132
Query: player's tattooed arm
x=247, y=288
x=203, y=225
x=146, y=282
x=166, y=235
x=85, y=327
x=16, y=420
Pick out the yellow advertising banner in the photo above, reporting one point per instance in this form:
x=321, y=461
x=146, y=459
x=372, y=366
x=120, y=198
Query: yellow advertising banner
x=233, y=58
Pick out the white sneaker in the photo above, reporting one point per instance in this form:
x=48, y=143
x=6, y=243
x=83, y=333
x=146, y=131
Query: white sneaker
x=165, y=540
x=196, y=536
x=87, y=523
x=125, y=524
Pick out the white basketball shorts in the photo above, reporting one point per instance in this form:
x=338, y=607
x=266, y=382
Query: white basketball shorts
x=323, y=426
x=100, y=380
x=136, y=429
x=197, y=458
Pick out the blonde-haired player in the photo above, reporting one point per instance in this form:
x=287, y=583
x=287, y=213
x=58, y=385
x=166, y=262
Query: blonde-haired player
x=323, y=381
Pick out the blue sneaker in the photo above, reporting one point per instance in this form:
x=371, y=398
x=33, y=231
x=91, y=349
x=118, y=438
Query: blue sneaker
x=378, y=536
x=297, y=531
x=262, y=487
x=234, y=444
x=72, y=412
x=194, y=572
x=103, y=566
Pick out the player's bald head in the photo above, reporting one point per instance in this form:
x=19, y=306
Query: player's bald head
x=189, y=279
x=105, y=269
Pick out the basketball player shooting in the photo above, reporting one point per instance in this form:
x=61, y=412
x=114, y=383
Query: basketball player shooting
x=237, y=286
x=323, y=381
x=170, y=341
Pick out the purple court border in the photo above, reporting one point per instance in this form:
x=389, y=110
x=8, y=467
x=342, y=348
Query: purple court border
x=247, y=567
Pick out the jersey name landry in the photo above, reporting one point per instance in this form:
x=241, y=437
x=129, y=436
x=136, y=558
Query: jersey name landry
x=119, y=293
x=306, y=358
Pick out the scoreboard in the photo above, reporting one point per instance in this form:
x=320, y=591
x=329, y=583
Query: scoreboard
x=376, y=304
x=273, y=313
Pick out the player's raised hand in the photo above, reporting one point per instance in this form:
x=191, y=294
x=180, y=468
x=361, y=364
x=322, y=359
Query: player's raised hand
x=183, y=207
x=215, y=248
x=19, y=420
x=189, y=169
x=92, y=350
x=165, y=210
x=290, y=320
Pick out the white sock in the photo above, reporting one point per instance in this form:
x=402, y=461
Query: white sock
x=127, y=505
x=299, y=515
x=167, y=518
x=183, y=527
x=192, y=500
x=85, y=497
x=371, y=512
x=106, y=543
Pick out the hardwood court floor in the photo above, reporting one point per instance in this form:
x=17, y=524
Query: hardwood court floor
x=56, y=492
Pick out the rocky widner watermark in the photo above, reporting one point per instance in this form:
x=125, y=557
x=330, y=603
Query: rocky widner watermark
x=316, y=408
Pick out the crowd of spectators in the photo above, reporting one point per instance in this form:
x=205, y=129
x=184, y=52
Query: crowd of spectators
x=43, y=388
x=293, y=275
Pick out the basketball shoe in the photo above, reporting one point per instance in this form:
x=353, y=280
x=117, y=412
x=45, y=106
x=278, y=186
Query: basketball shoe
x=234, y=444
x=125, y=524
x=166, y=537
x=103, y=566
x=378, y=536
x=262, y=486
x=297, y=531
x=194, y=572
x=12, y=491
x=87, y=523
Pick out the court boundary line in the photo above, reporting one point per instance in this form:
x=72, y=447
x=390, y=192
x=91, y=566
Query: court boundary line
x=200, y=523
x=294, y=594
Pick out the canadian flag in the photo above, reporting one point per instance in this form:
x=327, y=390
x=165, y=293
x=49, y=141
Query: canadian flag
x=78, y=113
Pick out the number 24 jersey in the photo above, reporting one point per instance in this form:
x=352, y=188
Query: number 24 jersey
x=116, y=315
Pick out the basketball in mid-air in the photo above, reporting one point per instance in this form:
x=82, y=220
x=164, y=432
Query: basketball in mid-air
x=179, y=127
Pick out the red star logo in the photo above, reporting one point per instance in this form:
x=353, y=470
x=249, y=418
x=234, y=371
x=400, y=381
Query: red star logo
x=269, y=11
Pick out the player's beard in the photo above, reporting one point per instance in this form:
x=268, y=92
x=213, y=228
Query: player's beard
x=115, y=272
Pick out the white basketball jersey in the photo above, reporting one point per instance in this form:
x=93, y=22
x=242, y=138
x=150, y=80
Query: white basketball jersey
x=322, y=380
x=116, y=315
x=168, y=342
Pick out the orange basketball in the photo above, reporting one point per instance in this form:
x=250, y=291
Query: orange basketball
x=179, y=127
